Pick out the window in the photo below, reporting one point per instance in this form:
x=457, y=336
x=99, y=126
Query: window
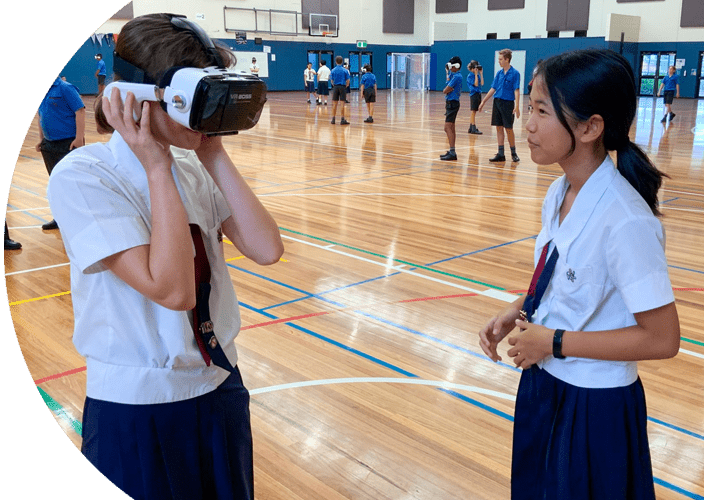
x=515, y=35
x=491, y=36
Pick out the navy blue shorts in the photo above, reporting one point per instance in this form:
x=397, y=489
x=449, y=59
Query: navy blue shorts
x=323, y=88
x=669, y=96
x=197, y=449
x=502, y=113
x=577, y=443
x=451, y=109
x=310, y=87
x=339, y=93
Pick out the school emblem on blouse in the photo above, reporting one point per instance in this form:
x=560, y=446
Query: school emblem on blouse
x=219, y=235
x=571, y=275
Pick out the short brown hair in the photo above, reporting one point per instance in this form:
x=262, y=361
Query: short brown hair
x=153, y=44
x=506, y=53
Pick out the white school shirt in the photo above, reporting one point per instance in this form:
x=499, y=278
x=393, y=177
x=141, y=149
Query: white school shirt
x=611, y=265
x=137, y=352
x=252, y=68
x=309, y=74
x=323, y=74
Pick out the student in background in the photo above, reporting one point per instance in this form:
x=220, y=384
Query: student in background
x=670, y=83
x=100, y=73
x=323, y=83
x=601, y=301
x=340, y=80
x=368, y=89
x=309, y=81
x=62, y=127
x=452, y=92
x=254, y=67
x=507, y=104
x=475, y=82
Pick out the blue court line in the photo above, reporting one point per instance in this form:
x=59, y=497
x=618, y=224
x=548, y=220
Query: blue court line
x=27, y=213
x=18, y=188
x=685, y=269
x=482, y=250
x=452, y=393
x=338, y=304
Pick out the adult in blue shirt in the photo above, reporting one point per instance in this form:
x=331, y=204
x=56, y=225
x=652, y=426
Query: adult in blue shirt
x=100, y=73
x=507, y=104
x=368, y=89
x=452, y=92
x=670, y=83
x=340, y=78
x=62, y=126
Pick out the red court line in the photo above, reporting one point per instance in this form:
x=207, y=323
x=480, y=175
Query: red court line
x=59, y=375
x=323, y=313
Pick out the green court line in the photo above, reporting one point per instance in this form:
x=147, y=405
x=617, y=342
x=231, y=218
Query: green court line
x=386, y=257
x=60, y=412
x=692, y=341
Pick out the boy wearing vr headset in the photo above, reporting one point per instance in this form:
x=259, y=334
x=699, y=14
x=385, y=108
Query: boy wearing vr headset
x=166, y=413
x=452, y=92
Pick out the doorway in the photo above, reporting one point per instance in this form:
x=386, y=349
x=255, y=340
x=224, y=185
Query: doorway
x=315, y=56
x=653, y=67
x=357, y=61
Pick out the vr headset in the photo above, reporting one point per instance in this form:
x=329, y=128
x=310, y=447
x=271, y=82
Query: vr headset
x=210, y=100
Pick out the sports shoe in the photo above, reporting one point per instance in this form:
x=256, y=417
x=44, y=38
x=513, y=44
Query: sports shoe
x=498, y=157
x=664, y=119
x=369, y=120
x=344, y=122
x=12, y=244
x=50, y=225
x=318, y=103
x=308, y=101
x=514, y=157
x=333, y=120
x=672, y=116
x=326, y=103
x=449, y=156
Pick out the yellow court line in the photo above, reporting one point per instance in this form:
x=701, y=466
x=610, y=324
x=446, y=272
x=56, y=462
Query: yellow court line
x=18, y=302
x=241, y=256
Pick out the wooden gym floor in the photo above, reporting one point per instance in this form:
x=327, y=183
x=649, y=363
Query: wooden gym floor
x=360, y=346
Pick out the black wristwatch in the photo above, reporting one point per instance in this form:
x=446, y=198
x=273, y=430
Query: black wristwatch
x=557, y=344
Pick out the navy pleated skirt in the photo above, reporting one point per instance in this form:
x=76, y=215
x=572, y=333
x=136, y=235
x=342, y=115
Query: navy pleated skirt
x=198, y=449
x=572, y=443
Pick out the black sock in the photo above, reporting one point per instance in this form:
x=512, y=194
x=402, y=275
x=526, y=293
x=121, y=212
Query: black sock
x=452, y=150
x=513, y=150
x=501, y=150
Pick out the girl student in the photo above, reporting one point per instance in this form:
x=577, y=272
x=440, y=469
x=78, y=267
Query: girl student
x=166, y=414
x=580, y=416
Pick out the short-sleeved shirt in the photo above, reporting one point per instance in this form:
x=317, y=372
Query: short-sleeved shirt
x=455, y=82
x=57, y=111
x=368, y=80
x=101, y=68
x=474, y=83
x=323, y=74
x=611, y=265
x=137, y=352
x=505, y=83
x=309, y=74
x=254, y=68
x=671, y=82
x=339, y=75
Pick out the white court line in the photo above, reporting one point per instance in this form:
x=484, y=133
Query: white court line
x=692, y=353
x=488, y=293
x=383, y=380
x=36, y=269
x=25, y=227
x=665, y=207
x=449, y=195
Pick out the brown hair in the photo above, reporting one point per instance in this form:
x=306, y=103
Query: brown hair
x=153, y=44
x=506, y=53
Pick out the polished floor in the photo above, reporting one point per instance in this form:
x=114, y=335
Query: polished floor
x=360, y=346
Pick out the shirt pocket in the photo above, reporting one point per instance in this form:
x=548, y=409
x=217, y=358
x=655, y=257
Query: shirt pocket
x=579, y=290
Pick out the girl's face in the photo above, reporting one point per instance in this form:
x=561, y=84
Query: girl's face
x=548, y=140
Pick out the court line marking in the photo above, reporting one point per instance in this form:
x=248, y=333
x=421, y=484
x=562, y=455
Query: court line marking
x=36, y=269
x=383, y=380
x=27, y=209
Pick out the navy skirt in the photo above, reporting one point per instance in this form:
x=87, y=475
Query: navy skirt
x=200, y=448
x=579, y=444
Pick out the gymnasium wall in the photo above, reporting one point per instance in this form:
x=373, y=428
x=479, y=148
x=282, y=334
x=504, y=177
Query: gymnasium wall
x=464, y=34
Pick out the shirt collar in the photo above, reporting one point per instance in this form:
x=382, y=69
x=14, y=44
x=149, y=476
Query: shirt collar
x=584, y=204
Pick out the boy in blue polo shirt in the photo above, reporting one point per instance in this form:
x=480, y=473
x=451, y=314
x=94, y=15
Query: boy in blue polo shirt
x=368, y=89
x=670, y=83
x=62, y=126
x=507, y=104
x=100, y=73
x=340, y=78
x=452, y=92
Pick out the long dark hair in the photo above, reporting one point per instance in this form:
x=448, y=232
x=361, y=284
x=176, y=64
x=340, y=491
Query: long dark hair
x=588, y=82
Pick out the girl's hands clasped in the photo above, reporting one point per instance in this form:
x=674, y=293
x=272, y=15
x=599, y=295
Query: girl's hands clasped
x=495, y=330
x=138, y=135
x=531, y=345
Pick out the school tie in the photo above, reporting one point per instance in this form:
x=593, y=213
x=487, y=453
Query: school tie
x=539, y=283
x=208, y=344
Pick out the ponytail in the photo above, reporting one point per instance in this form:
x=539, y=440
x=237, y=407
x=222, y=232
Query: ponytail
x=588, y=82
x=639, y=171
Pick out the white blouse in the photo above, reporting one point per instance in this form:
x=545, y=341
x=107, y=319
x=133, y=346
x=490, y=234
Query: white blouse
x=611, y=265
x=137, y=352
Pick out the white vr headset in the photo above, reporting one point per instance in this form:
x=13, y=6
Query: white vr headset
x=210, y=100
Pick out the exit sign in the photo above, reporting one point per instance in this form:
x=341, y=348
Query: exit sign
x=361, y=44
